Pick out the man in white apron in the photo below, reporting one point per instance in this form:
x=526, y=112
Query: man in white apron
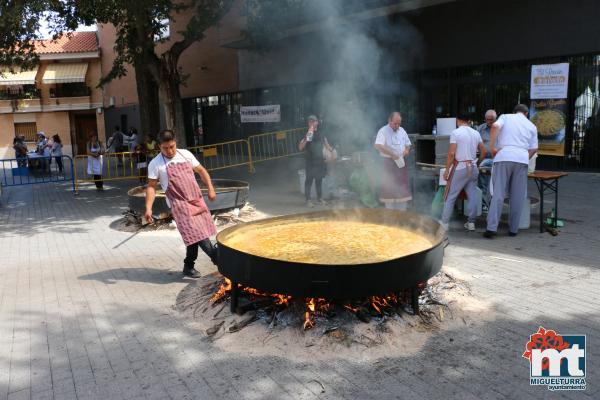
x=513, y=141
x=174, y=168
x=393, y=145
x=461, y=169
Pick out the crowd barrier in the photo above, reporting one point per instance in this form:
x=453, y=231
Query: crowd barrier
x=216, y=156
x=115, y=166
x=235, y=153
x=272, y=145
x=34, y=169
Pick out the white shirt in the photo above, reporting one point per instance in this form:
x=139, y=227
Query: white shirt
x=517, y=135
x=397, y=141
x=157, y=169
x=467, y=140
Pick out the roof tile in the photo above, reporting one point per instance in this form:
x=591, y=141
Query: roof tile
x=76, y=42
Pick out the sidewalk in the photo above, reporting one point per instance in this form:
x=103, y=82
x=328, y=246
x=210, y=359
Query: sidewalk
x=86, y=312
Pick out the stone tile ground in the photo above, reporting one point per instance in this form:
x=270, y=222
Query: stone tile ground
x=86, y=311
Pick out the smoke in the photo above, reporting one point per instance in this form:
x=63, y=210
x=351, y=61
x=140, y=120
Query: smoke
x=367, y=57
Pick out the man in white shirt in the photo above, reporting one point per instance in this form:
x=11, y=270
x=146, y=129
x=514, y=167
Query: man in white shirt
x=513, y=141
x=461, y=169
x=174, y=168
x=393, y=145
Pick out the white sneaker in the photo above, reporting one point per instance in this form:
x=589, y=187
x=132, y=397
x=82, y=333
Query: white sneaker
x=309, y=204
x=470, y=226
x=444, y=225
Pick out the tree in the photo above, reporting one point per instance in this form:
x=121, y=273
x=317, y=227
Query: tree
x=20, y=22
x=140, y=26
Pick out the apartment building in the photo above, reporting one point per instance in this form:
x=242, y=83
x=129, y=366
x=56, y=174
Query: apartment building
x=59, y=96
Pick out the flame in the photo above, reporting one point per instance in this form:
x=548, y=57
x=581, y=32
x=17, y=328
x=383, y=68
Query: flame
x=349, y=307
x=310, y=305
x=379, y=304
x=223, y=290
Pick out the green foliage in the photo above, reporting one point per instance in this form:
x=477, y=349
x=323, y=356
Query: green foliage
x=20, y=21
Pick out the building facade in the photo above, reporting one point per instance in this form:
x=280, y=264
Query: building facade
x=59, y=97
x=355, y=62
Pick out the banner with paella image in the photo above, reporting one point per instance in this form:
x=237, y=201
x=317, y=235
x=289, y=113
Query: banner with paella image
x=548, y=111
x=550, y=118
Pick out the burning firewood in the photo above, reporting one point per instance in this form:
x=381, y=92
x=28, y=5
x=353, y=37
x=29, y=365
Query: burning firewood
x=280, y=311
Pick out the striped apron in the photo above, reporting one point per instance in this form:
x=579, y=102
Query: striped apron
x=190, y=212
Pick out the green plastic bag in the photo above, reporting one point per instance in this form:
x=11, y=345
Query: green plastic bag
x=359, y=183
x=437, y=205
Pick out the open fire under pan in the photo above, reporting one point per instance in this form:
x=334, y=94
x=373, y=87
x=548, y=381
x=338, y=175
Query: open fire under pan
x=334, y=282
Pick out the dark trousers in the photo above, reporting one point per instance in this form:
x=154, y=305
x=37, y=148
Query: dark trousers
x=191, y=253
x=59, y=163
x=317, y=175
x=98, y=181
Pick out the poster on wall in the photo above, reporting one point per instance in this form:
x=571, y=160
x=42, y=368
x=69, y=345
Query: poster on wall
x=270, y=113
x=549, y=81
x=548, y=94
x=550, y=118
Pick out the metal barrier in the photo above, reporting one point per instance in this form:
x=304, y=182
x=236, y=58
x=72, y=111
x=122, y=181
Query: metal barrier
x=272, y=145
x=115, y=166
x=224, y=155
x=235, y=153
x=34, y=169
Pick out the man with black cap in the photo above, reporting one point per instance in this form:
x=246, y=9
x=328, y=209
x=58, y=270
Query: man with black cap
x=513, y=141
x=461, y=169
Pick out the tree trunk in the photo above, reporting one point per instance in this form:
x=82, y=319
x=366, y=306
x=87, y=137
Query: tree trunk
x=171, y=97
x=149, y=107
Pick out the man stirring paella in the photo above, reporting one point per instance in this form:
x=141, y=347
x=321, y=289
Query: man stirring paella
x=174, y=168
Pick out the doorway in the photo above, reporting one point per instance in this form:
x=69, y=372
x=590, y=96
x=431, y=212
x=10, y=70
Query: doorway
x=84, y=124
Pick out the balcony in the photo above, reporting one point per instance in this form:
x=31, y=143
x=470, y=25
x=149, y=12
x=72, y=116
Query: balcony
x=70, y=90
x=25, y=99
x=69, y=96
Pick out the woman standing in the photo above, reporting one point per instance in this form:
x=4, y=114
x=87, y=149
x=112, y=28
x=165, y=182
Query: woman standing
x=312, y=144
x=57, y=152
x=95, y=151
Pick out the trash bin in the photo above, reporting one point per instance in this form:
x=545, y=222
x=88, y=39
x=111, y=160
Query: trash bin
x=478, y=200
x=529, y=204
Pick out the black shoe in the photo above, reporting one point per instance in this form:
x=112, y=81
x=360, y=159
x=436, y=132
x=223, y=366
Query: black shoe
x=512, y=234
x=191, y=273
x=489, y=234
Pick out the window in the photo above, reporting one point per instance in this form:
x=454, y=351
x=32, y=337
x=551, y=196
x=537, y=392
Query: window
x=27, y=129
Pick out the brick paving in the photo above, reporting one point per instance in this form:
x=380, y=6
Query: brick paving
x=86, y=312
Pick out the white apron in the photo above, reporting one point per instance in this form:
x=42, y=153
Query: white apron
x=94, y=166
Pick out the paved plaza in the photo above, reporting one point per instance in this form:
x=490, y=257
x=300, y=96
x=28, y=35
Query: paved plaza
x=87, y=311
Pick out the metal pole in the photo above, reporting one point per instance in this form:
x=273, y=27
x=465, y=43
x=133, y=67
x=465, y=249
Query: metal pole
x=414, y=300
x=540, y=185
x=556, y=203
x=72, y=174
x=235, y=291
